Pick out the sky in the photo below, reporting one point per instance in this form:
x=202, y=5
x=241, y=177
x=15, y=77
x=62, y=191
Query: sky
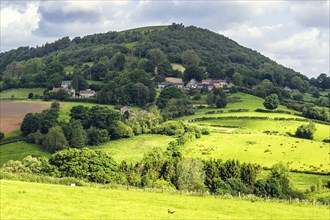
x=293, y=33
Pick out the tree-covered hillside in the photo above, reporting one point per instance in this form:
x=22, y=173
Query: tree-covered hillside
x=142, y=56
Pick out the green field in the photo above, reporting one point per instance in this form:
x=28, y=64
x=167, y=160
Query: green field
x=149, y=28
x=260, y=126
x=19, y=150
x=246, y=139
x=176, y=66
x=249, y=102
x=261, y=149
x=68, y=69
x=20, y=93
x=94, y=82
x=21, y=200
x=133, y=149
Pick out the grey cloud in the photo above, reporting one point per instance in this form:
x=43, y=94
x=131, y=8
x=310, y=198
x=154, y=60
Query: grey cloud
x=74, y=16
x=312, y=14
x=210, y=14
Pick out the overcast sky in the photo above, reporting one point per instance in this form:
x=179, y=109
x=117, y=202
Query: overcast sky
x=293, y=33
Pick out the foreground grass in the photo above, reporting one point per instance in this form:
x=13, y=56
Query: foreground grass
x=19, y=150
x=21, y=200
x=21, y=93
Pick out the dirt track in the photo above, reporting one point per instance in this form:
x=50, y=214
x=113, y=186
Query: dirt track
x=12, y=113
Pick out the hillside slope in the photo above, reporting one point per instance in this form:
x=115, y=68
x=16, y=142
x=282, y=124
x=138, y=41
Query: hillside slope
x=217, y=55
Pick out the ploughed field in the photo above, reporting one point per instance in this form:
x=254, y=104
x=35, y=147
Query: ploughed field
x=12, y=113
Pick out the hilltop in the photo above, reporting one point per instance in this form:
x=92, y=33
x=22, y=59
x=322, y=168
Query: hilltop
x=97, y=56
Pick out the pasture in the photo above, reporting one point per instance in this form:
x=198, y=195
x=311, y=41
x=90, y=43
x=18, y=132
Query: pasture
x=21, y=200
x=19, y=150
x=262, y=149
x=20, y=93
x=133, y=149
x=246, y=101
x=179, y=67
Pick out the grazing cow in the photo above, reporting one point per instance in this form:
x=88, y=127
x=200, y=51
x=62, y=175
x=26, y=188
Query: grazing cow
x=170, y=212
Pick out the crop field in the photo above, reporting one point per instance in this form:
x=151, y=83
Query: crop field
x=12, y=113
x=133, y=149
x=20, y=93
x=21, y=200
x=19, y=150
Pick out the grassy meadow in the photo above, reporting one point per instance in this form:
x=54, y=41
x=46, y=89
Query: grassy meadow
x=21, y=200
x=133, y=149
x=19, y=150
x=177, y=66
x=20, y=93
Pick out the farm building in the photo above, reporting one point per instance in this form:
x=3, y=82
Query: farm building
x=66, y=86
x=87, y=93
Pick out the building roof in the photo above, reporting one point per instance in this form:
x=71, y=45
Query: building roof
x=88, y=91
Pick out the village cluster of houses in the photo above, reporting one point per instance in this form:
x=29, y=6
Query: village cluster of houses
x=194, y=84
x=66, y=86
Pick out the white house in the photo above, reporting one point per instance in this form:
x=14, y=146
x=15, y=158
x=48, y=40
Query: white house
x=87, y=93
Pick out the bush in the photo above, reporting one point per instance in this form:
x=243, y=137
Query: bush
x=85, y=164
x=271, y=102
x=122, y=131
x=306, y=131
x=2, y=135
x=316, y=113
x=55, y=105
x=169, y=128
x=205, y=131
x=30, y=96
x=221, y=103
x=35, y=138
x=197, y=97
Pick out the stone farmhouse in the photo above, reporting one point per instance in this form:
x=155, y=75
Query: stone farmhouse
x=87, y=93
x=66, y=86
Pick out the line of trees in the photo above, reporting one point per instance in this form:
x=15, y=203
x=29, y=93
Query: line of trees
x=98, y=124
x=162, y=169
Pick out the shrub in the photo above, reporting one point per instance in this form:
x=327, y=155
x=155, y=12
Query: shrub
x=30, y=96
x=205, y=131
x=197, y=97
x=316, y=113
x=122, y=131
x=85, y=164
x=271, y=102
x=169, y=128
x=306, y=131
x=55, y=105
x=35, y=138
x=2, y=135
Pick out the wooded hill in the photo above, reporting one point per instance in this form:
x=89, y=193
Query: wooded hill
x=152, y=50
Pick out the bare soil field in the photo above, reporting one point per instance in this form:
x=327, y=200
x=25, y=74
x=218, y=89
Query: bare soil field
x=12, y=114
